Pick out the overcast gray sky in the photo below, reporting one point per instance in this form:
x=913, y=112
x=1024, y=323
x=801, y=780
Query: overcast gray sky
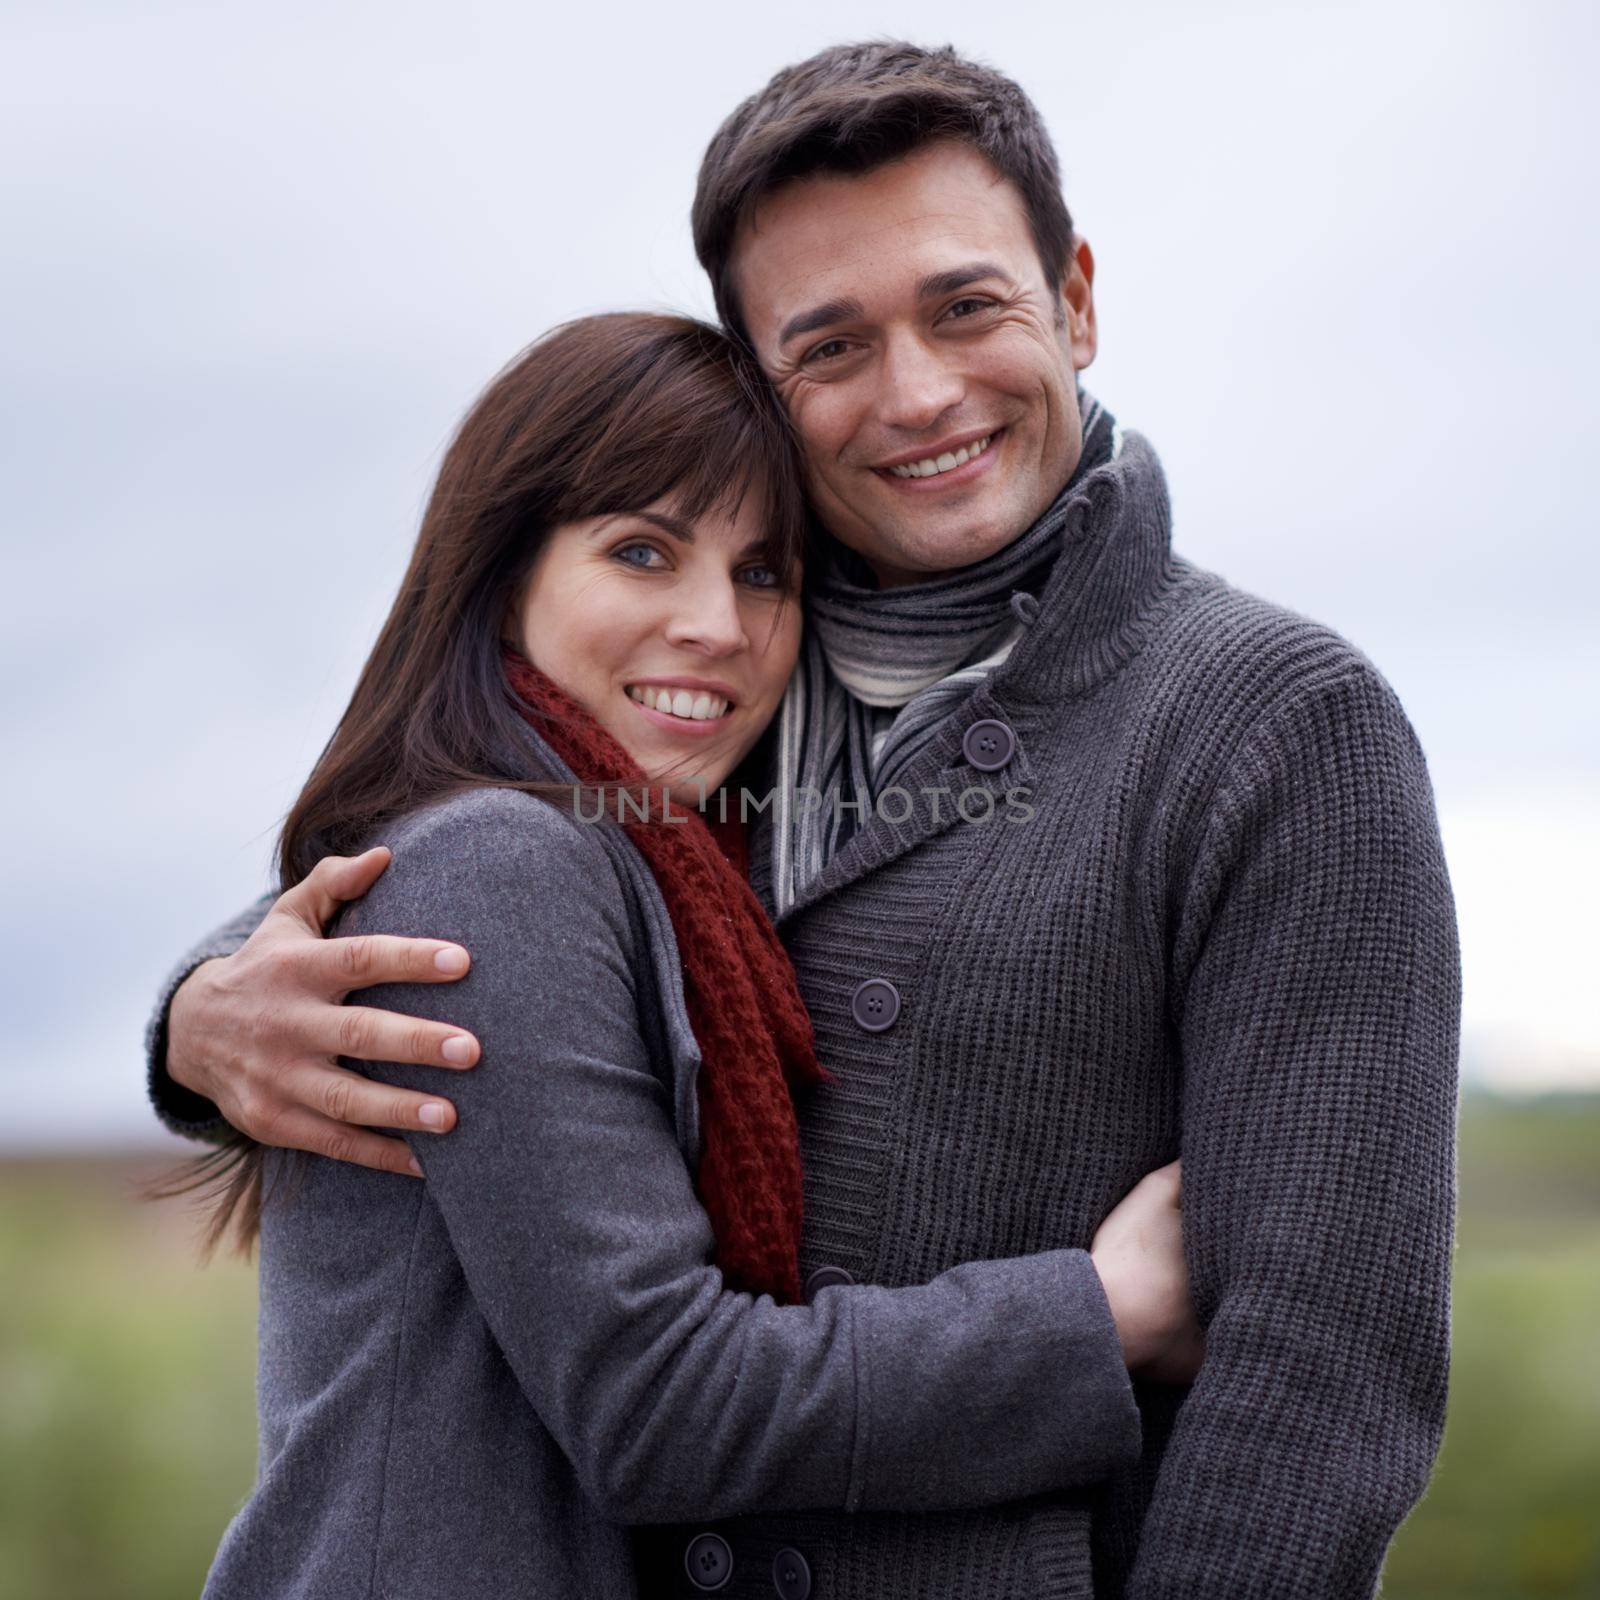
x=260, y=257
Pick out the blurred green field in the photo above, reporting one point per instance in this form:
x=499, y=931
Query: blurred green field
x=127, y=1423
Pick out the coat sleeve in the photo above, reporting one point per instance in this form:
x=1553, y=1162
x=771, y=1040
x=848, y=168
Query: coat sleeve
x=182, y=1110
x=1319, y=1016
x=573, y=1214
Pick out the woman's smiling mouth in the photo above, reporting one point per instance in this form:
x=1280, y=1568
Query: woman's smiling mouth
x=689, y=711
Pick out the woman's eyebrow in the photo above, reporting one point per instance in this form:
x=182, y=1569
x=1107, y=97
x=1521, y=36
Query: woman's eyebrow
x=678, y=529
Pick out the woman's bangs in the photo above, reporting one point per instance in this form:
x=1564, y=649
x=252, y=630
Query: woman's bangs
x=708, y=452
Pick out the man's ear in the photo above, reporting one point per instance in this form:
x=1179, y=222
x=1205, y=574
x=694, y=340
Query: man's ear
x=1076, y=305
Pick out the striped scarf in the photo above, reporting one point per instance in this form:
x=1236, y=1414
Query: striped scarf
x=881, y=668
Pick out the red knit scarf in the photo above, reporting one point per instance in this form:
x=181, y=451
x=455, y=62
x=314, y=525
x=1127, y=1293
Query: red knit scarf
x=743, y=1000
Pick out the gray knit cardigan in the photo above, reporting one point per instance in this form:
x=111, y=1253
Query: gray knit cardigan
x=1209, y=914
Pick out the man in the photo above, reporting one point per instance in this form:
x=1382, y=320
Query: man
x=1113, y=859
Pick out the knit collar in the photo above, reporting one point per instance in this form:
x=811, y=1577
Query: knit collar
x=1114, y=567
x=1114, y=571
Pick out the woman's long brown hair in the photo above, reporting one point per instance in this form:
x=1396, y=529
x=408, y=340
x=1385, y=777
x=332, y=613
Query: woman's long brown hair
x=600, y=416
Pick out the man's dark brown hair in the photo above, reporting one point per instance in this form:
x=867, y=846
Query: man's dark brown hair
x=854, y=107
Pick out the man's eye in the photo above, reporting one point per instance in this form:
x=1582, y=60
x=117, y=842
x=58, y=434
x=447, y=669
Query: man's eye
x=974, y=303
x=621, y=553
x=828, y=350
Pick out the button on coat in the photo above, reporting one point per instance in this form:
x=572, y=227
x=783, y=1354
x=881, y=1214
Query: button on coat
x=708, y=1561
x=875, y=1004
x=791, y=1575
x=825, y=1278
x=988, y=745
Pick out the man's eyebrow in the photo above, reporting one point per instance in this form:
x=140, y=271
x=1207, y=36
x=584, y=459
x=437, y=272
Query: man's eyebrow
x=935, y=284
x=830, y=311
x=953, y=278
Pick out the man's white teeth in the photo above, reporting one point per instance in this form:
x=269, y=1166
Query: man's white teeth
x=931, y=466
x=680, y=702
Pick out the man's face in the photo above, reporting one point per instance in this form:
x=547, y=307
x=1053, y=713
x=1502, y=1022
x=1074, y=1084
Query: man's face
x=904, y=317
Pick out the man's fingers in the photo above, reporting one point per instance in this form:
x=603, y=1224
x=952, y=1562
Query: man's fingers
x=305, y=1130
x=333, y=967
x=365, y=959
x=349, y=877
x=371, y=1035
x=340, y=1096
x=330, y=883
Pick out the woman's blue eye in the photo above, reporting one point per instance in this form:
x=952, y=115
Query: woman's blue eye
x=758, y=577
x=621, y=553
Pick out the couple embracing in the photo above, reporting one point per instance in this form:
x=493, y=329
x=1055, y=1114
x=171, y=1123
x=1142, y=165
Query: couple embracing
x=848, y=858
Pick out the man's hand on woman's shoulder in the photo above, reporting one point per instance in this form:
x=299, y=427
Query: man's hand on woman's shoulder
x=259, y=1032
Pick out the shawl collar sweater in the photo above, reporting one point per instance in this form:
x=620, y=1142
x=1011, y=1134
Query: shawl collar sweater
x=1225, y=931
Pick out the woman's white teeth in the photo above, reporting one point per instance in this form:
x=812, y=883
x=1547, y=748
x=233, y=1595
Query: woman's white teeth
x=680, y=702
x=931, y=466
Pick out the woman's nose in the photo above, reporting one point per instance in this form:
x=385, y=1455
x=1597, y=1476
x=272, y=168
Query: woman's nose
x=706, y=617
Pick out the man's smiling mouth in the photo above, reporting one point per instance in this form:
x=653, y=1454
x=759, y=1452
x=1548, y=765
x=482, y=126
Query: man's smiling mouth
x=943, y=461
x=931, y=466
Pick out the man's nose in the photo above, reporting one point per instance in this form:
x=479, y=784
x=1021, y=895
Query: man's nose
x=918, y=384
x=705, y=616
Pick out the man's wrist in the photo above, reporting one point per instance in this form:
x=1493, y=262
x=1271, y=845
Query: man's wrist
x=184, y=1069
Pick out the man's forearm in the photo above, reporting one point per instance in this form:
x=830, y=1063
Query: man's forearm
x=181, y=1109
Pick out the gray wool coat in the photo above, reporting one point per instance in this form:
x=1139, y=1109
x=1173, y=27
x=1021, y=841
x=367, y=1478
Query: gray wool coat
x=472, y=1386
x=1225, y=928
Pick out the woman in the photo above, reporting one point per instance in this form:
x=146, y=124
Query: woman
x=591, y=1314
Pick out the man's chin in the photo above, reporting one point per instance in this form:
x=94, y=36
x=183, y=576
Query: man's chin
x=951, y=539
x=911, y=543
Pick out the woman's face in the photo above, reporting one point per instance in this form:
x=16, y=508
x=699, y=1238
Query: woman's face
x=677, y=637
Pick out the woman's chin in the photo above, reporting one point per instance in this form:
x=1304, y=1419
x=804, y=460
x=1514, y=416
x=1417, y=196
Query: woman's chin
x=687, y=793
x=688, y=777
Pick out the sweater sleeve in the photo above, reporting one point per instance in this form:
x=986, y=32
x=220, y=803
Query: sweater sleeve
x=1319, y=987
x=573, y=1214
x=182, y=1110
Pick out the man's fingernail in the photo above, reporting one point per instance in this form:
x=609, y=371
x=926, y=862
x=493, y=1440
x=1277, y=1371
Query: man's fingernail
x=431, y=1115
x=457, y=1049
x=416, y=1166
x=452, y=961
